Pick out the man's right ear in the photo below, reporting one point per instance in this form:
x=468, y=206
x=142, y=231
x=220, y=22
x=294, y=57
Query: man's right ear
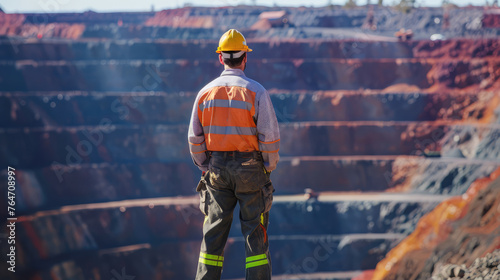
x=221, y=60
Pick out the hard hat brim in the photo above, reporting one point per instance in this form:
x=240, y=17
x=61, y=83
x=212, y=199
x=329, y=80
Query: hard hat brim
x=247, y=50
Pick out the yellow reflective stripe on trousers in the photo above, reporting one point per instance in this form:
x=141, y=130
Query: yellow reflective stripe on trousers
x=213, y=260
x=210, y=262
x=258, y=260
x=211, y=257
x=257, y=263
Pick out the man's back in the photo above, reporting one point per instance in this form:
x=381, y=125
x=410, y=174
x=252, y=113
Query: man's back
x=235, y=114
x=234, y=139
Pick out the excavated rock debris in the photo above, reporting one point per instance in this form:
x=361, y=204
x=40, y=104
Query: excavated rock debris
x=487, y=268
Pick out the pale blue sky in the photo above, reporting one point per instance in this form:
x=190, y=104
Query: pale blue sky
x=12, y=6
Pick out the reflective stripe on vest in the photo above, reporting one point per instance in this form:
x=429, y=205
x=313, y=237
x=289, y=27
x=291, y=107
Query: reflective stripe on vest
x=226, y=104
x=226, y=114
x=229, y=130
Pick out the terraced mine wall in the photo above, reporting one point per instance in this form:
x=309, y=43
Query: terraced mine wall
x=331, y=22
x=457, y=231
x=97, y=132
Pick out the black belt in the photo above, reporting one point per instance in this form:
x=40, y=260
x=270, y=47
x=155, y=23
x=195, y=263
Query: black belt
x=237, y=154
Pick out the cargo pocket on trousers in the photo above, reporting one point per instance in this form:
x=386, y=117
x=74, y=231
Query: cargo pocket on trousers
x=203, y=201
x=202, y=191
x=267, y=196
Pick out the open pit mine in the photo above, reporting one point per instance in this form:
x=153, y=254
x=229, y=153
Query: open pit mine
x=396, y=136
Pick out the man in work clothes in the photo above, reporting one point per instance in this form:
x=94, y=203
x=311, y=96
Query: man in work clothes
x=234, y=140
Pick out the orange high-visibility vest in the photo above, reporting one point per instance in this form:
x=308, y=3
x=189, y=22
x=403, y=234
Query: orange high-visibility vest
x=226, y=114
x=233, y=113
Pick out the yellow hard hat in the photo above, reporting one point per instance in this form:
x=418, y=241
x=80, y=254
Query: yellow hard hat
x=232, y=40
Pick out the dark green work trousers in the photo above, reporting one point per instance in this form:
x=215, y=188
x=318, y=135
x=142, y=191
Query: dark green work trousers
x=231, y=178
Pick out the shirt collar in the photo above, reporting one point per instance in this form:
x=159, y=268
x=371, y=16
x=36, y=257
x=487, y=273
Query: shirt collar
x=232, y=72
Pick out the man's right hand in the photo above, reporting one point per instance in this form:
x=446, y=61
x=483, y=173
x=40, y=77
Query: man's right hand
x=268, y=173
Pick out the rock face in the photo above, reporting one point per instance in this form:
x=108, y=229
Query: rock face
x=94, y=110
x=457, y=231
x=486, y=268
x=195, y=23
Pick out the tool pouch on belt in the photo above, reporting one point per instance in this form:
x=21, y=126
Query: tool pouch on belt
x=202, y=190
x=267, y=196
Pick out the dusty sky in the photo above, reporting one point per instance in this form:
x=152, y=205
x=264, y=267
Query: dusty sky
x=11, y=6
